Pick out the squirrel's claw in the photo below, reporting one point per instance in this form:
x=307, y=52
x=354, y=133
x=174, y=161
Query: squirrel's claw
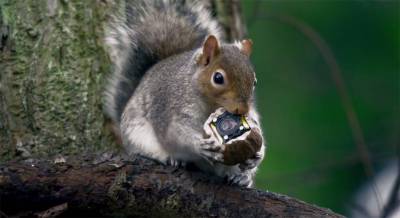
x=212, y=150
x=244, y=180
x=213, y=156
x=211, y=144
x=175, y=163
x=252, y=162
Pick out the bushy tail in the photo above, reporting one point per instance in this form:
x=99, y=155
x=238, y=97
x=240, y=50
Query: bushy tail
x=145, y=33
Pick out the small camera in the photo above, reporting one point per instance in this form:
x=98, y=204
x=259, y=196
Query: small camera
x=228, y=126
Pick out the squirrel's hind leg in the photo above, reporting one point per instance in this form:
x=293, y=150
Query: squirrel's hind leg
x=139, y=137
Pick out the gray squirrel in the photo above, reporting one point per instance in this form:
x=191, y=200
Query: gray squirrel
x=171, y=71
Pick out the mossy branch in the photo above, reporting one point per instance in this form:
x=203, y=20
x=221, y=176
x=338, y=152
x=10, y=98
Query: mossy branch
x=107, y=185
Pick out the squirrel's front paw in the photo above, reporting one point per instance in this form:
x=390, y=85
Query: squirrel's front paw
x=253, y=162
x=212, y=150
x=245, y=180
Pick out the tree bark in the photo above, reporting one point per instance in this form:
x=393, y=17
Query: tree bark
x=110, y=186
x=53, y=66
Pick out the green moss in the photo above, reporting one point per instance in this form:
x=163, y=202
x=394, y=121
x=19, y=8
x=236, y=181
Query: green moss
x=53, y=78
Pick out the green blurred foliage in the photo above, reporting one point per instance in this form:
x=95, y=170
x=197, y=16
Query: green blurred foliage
x=311, y=152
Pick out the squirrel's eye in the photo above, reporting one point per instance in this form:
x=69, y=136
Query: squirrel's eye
x=255, y=82
x=218, y=78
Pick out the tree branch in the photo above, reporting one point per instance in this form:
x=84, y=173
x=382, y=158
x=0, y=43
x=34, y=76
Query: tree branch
x=111, y=186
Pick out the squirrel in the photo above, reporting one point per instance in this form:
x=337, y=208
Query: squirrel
x=171, y=70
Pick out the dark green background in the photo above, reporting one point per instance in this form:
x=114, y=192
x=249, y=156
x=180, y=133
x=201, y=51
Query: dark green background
x=311, y=153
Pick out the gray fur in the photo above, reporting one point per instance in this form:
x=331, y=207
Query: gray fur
x=146, y=33
x=153, y=95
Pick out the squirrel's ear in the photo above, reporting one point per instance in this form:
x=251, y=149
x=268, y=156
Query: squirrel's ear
x=246, y=47
x=210, y=50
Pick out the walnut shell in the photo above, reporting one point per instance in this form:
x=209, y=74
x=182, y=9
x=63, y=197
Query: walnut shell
x=239, y=151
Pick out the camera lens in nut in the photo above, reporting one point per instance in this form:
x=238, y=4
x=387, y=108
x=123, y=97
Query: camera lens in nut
x=228, y=125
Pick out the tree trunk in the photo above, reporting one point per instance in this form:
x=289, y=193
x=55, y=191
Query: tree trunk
x=52, y=70
x=52, y=67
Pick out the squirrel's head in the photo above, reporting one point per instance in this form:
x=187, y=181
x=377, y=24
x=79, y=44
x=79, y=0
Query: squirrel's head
x=226, y=76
